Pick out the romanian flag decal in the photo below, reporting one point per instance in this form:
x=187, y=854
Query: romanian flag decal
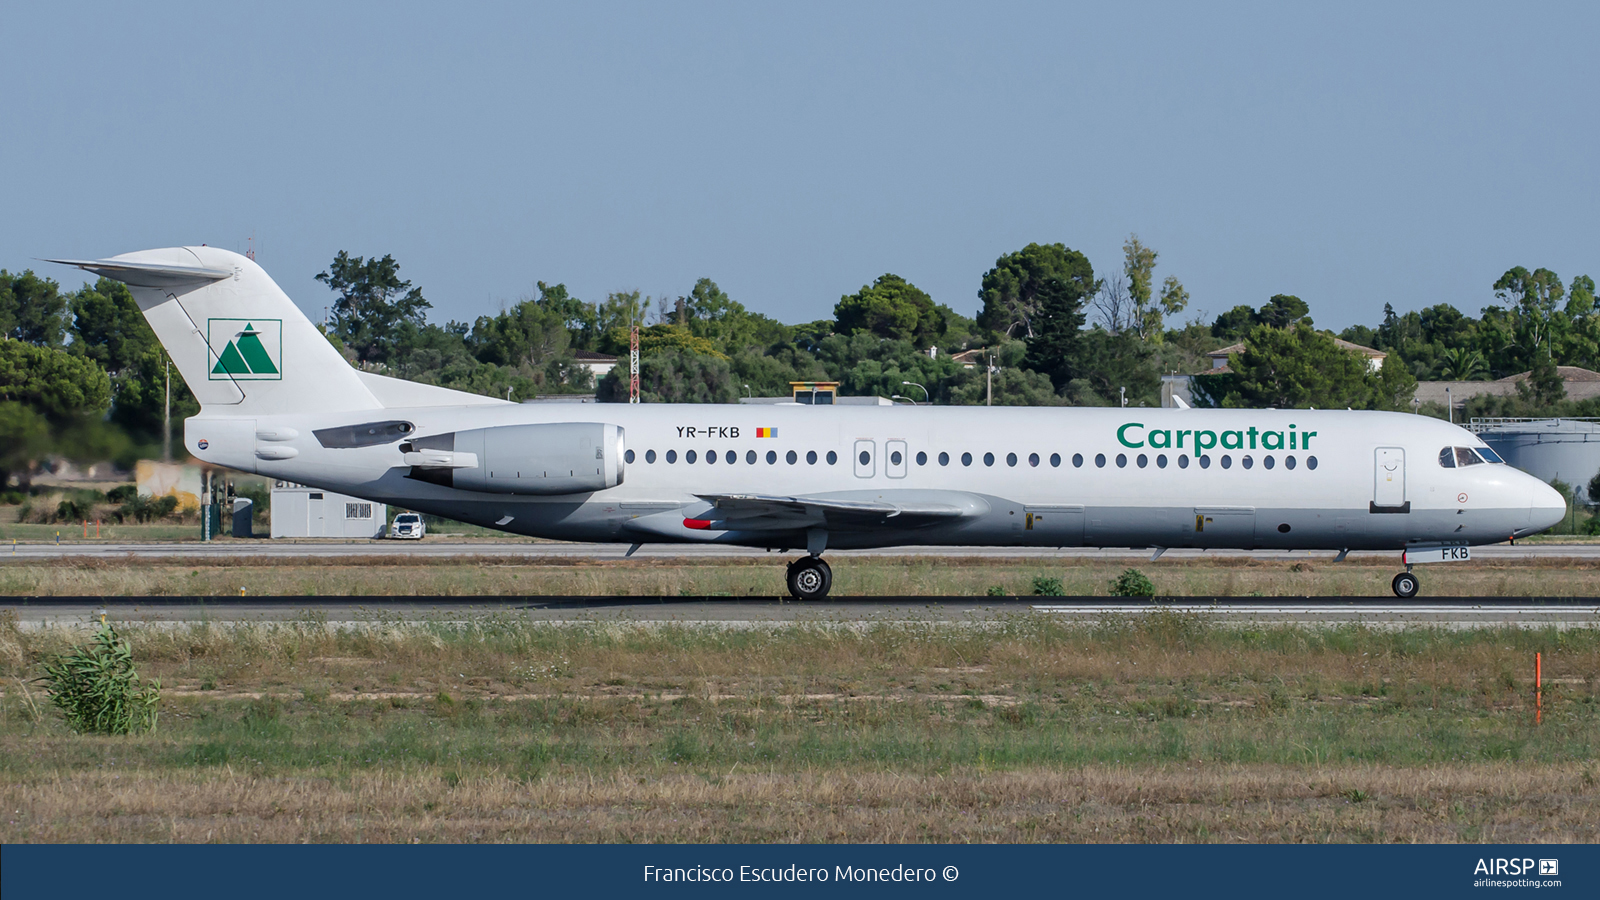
x=766, y=432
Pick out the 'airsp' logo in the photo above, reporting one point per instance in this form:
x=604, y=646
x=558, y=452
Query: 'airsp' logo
x=245, y=349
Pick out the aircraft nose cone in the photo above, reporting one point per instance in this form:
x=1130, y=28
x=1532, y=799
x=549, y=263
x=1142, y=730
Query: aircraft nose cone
x=1546, y=508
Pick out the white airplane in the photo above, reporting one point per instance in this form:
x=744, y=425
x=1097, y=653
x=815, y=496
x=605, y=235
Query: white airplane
x=277, y=400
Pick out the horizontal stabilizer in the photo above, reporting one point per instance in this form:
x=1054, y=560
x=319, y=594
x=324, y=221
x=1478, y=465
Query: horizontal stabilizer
x=150, y=275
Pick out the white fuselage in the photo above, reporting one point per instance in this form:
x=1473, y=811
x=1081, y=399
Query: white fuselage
x=1303, y=479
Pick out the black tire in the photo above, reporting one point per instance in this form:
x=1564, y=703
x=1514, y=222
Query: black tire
x=809, y=579
x=1405, y=585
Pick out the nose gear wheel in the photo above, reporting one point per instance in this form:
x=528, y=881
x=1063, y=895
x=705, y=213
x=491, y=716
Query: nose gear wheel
x=1405, y=585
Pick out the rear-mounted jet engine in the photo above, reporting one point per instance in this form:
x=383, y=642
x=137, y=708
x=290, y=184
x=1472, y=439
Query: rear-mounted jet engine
x=566, y=458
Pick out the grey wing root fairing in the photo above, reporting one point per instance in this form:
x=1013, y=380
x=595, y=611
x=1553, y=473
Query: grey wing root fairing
x=837, y=512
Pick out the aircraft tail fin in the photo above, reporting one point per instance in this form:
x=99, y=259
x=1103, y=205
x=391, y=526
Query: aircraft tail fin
x=241, y=344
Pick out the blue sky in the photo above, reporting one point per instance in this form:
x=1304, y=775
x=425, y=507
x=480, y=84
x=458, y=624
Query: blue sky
x=1353, y=154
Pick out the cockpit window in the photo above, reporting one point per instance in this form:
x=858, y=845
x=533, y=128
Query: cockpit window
x=1489, y=455
x=1447, y=457
x=1465, y=457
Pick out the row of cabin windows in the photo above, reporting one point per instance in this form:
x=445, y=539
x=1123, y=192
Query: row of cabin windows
x=1142, y=460
x=1451, y=457
x=732, y=456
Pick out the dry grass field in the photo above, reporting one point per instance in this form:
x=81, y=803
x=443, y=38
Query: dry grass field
x=741, y=577
x=1161, y=727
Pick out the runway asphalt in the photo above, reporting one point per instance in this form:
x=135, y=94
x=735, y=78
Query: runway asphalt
x=550, y=549
x=1443, y=612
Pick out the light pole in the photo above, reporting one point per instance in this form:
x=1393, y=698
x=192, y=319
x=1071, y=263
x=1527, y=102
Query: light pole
x=926, y=397
x=988, y=398
x=1450, y=406
x=747, y=391
x=1123, y=393
x=906, y=399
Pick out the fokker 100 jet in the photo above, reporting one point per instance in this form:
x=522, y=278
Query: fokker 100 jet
x=278, y=400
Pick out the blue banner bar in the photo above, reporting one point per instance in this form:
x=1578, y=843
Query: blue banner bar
x=245, y=872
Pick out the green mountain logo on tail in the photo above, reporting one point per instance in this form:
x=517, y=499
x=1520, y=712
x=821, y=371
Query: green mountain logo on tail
x=245, y=349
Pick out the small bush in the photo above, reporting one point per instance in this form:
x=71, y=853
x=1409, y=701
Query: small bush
x=144, y=508
x=1132, y=583
x=995, y=590
x=122, y=493
x=97, y=689
x=71, y=511
x=1048, y=586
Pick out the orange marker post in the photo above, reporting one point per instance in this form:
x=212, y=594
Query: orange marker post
x=1538, y=688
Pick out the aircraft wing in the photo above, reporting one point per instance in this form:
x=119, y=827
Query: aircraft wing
x=765, y=512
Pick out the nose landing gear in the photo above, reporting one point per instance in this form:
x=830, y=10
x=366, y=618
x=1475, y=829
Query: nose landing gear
x=1405, y=585
x=809, y=578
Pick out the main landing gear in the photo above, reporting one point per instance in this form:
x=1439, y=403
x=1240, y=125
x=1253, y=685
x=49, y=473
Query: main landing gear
x=1405, y=585
x=809, y=578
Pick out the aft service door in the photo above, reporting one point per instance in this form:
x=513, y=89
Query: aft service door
x=1389, y=479
x=865, y=463
x=894, y=459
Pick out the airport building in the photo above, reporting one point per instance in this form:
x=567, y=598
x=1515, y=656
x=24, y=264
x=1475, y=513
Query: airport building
x=299, y=511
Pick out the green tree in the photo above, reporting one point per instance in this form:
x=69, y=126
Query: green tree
x=529, y=333
x=1290, y=368
x=1233, y=325
x=1463, y=364
x=674, y=376
x=109, y=328
x=891, y=308
x=1533, y=299
x=1016, y=291
x=32, y=309
x=1284, y=310
x=1113, y=363
x=1543, y=386
x=1149, y=308
x=375, y=306
x=44, y=393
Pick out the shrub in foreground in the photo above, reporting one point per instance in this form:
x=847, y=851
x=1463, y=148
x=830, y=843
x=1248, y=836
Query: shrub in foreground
x=1132, y=583
x=96, y=687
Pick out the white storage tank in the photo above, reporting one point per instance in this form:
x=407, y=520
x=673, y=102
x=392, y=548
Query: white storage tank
x=299, y=511
x=1568, y=449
